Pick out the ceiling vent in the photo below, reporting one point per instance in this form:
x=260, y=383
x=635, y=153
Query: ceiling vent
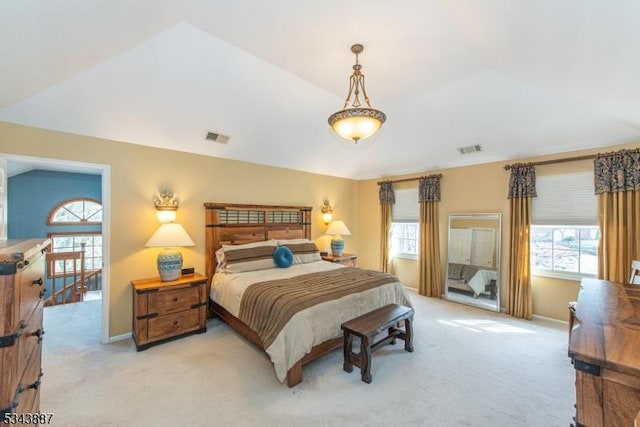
x=217, y=137
x=470, y=149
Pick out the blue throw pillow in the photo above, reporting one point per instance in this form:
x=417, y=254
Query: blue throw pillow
x=283, y=257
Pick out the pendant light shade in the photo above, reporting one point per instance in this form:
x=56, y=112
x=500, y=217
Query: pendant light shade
x=356, y=122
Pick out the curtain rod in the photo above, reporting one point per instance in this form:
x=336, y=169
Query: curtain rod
x=549, y=162
x=571, y=159
x=437, y=175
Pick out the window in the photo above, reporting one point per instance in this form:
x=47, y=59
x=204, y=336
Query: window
x=565, y=250
x=72, y=242
x=564, y=232
x=78, y=211
x=404, y=240
x=405, y=230
x=81, y=220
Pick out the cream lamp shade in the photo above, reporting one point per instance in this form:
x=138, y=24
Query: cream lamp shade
x=170, y=236
x=337, y=229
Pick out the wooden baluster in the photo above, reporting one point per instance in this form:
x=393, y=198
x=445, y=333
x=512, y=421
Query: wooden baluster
x=81, y=289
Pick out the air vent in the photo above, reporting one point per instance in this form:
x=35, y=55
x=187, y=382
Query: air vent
x=470, y=149
x=217, y=137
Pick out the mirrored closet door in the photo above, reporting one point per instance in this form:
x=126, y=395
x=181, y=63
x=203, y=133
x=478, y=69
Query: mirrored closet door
x=473, y=261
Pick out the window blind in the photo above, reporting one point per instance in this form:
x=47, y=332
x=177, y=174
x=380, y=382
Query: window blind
x=567, y=199
x=406, y=207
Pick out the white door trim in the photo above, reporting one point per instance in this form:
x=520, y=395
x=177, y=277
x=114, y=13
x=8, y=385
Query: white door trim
x=105, y=173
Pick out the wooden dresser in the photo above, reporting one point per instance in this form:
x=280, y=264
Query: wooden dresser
x=22, y=276
x=604, y=345
x=167, y=310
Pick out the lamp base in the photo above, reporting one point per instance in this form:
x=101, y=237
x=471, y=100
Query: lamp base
x=337, y=247
x=169, y=264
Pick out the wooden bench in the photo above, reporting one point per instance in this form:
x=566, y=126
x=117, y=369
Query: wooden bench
x=367, y=327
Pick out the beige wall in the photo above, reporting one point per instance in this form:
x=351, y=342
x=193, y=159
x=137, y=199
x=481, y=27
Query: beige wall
x=139, y=173
x=479, y=189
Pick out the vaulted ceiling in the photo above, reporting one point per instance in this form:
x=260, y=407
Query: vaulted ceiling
x=520, y=78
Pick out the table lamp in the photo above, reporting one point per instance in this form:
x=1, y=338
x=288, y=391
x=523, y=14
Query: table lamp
x=170, y=236
x=337, y=229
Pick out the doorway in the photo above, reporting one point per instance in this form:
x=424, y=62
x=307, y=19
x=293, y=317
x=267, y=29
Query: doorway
x=19, y=164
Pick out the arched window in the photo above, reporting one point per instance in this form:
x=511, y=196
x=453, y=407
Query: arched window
x=76, y=211
x=83, y=217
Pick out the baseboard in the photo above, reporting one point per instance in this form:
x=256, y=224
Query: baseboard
x=119, y=337
x=550, y=319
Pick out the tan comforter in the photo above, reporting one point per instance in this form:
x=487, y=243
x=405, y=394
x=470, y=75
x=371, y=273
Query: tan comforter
x=319, y=318
x=266, y=307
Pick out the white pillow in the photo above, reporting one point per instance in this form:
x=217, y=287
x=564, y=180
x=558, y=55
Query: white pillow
x=249, y=256
x=303, y=252
x=220, y=259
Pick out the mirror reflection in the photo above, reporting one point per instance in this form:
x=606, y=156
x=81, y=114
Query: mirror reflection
x=473, y=269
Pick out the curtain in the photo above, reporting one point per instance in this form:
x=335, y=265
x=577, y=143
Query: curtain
x=430, y=268
x=617, y=184
x=387, y=198
x=522, y=189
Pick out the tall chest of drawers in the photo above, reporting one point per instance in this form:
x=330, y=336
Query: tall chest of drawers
x=22, y=278
x=604, y=346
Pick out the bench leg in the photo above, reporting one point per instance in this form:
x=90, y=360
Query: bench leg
x=390, y=332
x=408, y=340
x=346, y=350
x=365, y=357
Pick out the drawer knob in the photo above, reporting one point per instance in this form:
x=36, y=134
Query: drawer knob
x=175, y=322
x=35, y=385
x=38, y=282
x=38, y=333
x=175, y=299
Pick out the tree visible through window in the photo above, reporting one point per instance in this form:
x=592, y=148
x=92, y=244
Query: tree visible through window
x=77, y=213
x=404, y=239
x=565, y=250
x=73, y=243
x=564, y=232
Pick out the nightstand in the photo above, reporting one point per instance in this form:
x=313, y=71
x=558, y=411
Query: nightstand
x=345, y=259
x=168, y=310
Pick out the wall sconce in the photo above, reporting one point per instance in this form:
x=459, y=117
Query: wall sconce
x=166, y=207
x=169, y=236
x=327, y=212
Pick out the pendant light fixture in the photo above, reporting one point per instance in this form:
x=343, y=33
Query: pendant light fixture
x=356, y=122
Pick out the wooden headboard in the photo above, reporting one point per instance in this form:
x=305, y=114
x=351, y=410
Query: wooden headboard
x=234, y=224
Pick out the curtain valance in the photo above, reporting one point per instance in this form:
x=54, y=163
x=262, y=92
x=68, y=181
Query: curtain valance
x=387, y=196
x=429, y=189
x=522, y=182
x=617, y=171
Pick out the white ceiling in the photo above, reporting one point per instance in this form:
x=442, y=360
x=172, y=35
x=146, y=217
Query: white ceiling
x=521, y=78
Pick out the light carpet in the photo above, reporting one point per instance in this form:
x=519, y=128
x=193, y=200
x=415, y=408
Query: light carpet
x=470, y=367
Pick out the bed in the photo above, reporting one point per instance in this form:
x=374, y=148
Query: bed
x=470, y=279
x=292, y=313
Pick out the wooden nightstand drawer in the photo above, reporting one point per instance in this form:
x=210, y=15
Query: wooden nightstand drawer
x=166, y=310
x=173, y=324
x=173, y=300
